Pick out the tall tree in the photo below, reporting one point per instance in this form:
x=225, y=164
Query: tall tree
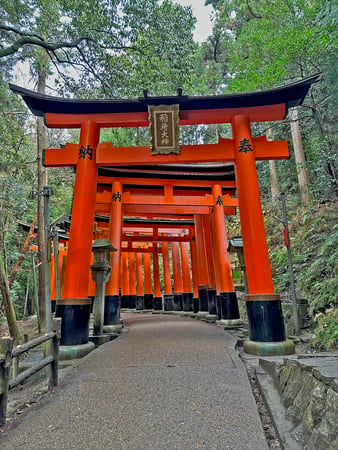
x=16, y=176
x=272, y=43
x=114, y=47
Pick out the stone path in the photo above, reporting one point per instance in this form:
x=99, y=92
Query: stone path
x=167, y=382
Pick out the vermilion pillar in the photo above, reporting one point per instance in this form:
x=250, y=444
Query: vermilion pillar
x=168, y=298
x=125, y=280
x=194, y=272
x=52, y=279
x=91, y=282
x=157, y=303
x=187, y=292
x=74, y=306
x=228, y=300
x=132, y=281
x=202, y=264
x=148, y=283
x=62, y=261
x=177, y=273
x=211, y=268
x=112, y=300
x=263, y=306
x=140, y=285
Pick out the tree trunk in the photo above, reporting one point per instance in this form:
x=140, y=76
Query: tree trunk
x=303, y=178
x=22, y=254
x=7, y=303
x=273, y=170
x=42, y=181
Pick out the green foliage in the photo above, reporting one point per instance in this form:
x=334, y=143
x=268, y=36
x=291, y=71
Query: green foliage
x=325, y=335
x=314, y=244
x=266, y=44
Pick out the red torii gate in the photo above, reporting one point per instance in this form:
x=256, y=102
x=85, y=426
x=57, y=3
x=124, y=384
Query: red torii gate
x=263, y=305
x=175, y=186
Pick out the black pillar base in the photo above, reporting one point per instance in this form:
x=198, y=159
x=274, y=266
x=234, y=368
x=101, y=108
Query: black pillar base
x=178, y=302
x=91, y=303
x=218, y=306
x=139, y=303
x=265, y=318
x=203, y=296
x=148, y=301
x=112, y=310
x=229, y=306
x=187, y=302
x=195, y=305
x=124, y=301
x=75, y=315
x=212, y=301
x=132, y=302
x=168, y=302
x=157, y=304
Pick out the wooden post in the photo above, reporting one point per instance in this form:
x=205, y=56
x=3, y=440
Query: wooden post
x=47, y=192
x=177, y=272
x=54, y=366
x=148, y=282
x=132, y=281
x=194, y=266
x=250, y=210
x=202, y=264
x=156, y=272
x=139, y=274
x=221, y=241
x=75, y=283
x=185, y=267
x=266, y=326
x=166, y=269
x=6, y=346
x=36, y=293
x=56, y=263
x=115, y=231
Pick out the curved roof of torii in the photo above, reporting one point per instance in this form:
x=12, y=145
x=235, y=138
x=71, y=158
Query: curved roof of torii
x=251, y=103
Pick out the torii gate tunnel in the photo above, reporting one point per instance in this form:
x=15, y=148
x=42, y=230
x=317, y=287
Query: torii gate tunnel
x=267, y=334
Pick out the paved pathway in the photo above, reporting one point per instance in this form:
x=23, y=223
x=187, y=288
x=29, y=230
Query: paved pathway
x=167, y=382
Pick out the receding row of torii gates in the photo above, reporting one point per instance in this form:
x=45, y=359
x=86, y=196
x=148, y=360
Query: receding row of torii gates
x=167, y=193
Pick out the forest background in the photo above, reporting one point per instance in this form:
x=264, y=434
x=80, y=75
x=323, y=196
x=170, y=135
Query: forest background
x=117, y=48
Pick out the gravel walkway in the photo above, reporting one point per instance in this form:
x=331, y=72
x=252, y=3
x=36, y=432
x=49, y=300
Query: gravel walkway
x=167, y=382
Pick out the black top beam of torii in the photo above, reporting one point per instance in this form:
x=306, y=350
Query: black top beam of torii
x=289, y=96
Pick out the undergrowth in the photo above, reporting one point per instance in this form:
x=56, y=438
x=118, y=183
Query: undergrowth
x=314, y=244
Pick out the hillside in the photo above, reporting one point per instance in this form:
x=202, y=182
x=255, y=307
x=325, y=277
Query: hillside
x=314, y=244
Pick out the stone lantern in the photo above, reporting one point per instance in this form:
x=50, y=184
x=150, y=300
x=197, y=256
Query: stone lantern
x=100, y=273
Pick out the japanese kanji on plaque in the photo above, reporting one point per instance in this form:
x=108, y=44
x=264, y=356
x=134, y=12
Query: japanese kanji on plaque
x=164, y=129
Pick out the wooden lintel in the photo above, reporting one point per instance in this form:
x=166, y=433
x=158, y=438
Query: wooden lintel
x=137, y=210
x=175, y=182
x=187, y=117
x=176, y=200
x=161, y=210
x=108, y=155
x=105, y=120
x=160, y=228
x=128, y=238
x=61, y=157
x=129, y=248
x=265, y=149
x=128, y=199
